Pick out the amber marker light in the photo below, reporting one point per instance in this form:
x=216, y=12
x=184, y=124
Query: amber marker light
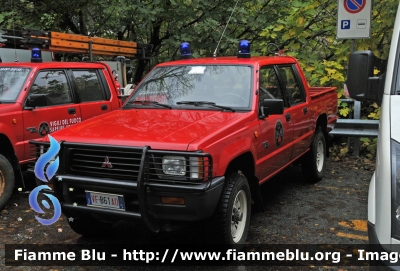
x=15, y=121
x=173, y=200
x=196, y=168
x=256, y=134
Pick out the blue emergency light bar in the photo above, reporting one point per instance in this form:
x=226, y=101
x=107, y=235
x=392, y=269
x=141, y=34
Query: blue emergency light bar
x=244, y=49
x=185, y=50
x=36, y=55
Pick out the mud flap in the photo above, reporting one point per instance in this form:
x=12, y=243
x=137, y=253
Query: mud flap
x=256, y=195
x=19, y=178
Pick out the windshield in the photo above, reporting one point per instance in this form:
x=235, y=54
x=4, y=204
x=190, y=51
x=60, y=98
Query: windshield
x=11, y=82
x=222, y=85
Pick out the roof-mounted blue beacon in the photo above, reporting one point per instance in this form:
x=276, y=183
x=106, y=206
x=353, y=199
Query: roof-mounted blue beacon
x=244, y=49
x=36, y=55
x=185, y=50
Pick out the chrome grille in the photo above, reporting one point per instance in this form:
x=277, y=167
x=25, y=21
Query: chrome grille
x=123, y=163
x=104, y=162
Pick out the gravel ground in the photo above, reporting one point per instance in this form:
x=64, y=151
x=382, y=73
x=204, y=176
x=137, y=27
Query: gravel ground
x=333, y=211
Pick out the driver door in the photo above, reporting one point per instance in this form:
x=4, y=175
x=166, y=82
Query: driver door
x=275, y=147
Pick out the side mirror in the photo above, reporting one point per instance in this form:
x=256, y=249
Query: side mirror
x=115, y=74
x=361, y=84
x=35, y=100
x=271, y=107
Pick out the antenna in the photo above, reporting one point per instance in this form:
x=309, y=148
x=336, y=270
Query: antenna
x=215, y=52
x=15, y=46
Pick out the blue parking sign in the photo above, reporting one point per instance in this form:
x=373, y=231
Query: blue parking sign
x=345, y=24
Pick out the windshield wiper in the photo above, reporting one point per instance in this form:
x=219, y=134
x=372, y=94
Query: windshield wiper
x=147, y=102
x=200, y=103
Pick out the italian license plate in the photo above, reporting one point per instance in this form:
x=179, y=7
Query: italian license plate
x=105, y=200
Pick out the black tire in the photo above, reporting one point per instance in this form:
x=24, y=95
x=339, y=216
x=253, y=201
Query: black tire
x=7, y=181
x=88, y=226
x=313, y=162
x=231, y=219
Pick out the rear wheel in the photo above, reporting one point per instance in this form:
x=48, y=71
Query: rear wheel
x=313, y=163
x=231, y=220
x=88, y=226
x=7, y=181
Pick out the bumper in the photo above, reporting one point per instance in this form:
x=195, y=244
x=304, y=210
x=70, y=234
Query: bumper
x=377, y=247
x=199, y=204
x=200, y=200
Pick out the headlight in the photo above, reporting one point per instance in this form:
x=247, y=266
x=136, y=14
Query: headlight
x=396, y=182
x=174, y=165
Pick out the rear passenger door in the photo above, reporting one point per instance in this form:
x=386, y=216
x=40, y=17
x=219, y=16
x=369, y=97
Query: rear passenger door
x=93, y=94
x=298, y=112
x=59, y=108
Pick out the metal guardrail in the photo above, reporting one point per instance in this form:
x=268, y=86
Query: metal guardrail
x=355, y=128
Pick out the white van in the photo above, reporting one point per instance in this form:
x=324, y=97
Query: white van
x=384, y=190
x=8, y=55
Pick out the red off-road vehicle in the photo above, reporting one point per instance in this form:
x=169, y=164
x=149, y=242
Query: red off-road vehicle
x=194, y=141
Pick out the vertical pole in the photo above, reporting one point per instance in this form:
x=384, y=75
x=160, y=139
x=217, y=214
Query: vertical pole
x=90, y=51
x=356, y=115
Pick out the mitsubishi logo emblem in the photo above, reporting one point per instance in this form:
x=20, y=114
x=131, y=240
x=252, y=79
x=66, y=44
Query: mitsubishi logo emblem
x=106, y=163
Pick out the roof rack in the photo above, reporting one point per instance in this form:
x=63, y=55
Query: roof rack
x=72, y=43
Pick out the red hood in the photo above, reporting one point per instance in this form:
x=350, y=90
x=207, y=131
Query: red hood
x=157, y=128
x=10, y=107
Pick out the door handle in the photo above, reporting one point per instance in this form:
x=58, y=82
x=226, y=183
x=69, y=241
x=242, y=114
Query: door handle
x=71, y=111
x=32, y=129
x=288, y=118
x=305, y=110
x=104, y=107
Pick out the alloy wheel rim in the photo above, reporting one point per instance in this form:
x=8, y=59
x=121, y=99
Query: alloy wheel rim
x=239, y=216
x=320, y=156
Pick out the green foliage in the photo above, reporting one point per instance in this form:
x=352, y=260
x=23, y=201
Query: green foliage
x=343, y=109
x=369, y=145
x=374, y=111
x=306, y=28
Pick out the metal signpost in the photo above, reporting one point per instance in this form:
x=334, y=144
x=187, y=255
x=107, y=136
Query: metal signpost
x=354, y=22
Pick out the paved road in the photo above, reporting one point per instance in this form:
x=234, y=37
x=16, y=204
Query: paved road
x=334, y=211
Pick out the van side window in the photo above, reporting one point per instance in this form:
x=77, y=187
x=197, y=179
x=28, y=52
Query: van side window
x=88, y=85
x=269, y=84
x=54, y=84
x=294, y=92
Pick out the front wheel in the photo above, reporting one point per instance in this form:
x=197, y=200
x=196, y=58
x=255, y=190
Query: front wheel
x=313, y=163
x=7, y=181
x=232, y=216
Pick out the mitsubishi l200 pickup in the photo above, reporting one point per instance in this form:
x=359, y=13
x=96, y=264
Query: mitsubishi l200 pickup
x=193, y=142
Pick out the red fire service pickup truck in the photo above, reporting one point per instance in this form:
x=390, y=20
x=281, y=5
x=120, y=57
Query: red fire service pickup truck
x=38, y=98
x=193, y=142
